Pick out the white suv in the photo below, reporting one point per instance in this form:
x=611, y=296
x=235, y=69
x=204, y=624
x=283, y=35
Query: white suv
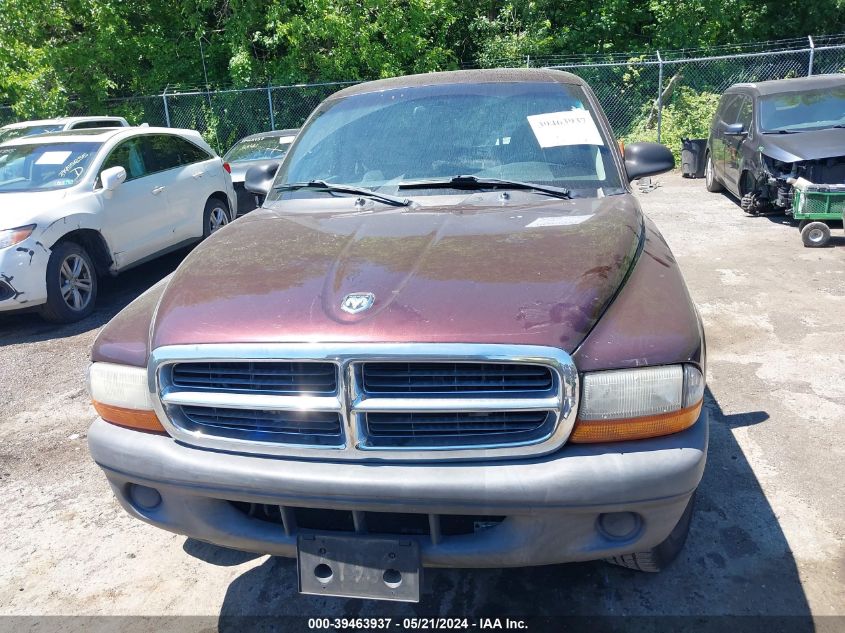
x=43, y=126
x=75, y=205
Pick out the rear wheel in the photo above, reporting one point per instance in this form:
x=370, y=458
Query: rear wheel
x=661, y=555
x=815, y=234
x=71, y=284
x=215, y=216
x=710, y=180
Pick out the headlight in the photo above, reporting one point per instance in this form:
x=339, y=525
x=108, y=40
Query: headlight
x=632, y=404
x=10, y=237
x=121, y=396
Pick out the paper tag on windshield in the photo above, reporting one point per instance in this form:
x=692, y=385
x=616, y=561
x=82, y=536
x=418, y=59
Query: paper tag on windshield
x=573, y=127
x=53, y=158
x=286, y=140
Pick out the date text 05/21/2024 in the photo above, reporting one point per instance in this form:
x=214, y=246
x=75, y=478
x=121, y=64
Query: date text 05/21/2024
x=416, y=623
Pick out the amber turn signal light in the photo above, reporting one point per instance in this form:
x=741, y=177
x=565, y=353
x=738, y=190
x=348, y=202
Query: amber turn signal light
x=132, y=418
x=635, y=428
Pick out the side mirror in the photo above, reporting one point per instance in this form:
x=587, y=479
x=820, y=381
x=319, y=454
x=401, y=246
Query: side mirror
x=647, y=159
x=734, y=129
x=259, y=179
x=112, y=178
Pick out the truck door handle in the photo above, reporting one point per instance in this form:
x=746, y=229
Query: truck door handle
x=158, y=190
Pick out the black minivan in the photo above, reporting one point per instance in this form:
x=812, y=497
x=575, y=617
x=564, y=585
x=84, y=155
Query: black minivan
x=766, y=135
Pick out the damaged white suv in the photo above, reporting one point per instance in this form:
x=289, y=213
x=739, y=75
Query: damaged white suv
x=76, y=205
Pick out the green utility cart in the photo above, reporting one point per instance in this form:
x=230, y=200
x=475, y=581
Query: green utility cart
x=815, y=206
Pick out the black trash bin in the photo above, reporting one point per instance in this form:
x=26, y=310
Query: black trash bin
x=692, y=157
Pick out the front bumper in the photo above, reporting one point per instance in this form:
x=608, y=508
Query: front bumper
x=552, y=504
x=23, y=275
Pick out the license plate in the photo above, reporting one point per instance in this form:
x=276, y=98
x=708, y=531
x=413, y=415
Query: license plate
x=359, y=567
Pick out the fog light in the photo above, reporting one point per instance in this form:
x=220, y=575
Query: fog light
x=619, y=526
x=144, y=497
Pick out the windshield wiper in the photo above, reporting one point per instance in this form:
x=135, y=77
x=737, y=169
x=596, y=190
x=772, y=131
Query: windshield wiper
x=781, y=132
x=322, y=185
x=474, y=182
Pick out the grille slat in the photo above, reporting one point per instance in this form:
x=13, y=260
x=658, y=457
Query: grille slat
x=284, y=378
x=301, y=427
x=422, y=378
x=410, y=428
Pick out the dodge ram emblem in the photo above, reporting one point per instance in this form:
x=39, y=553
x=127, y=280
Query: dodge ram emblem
x=357, y=302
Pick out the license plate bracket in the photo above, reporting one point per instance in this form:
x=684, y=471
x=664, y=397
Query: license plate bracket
x=359, y=566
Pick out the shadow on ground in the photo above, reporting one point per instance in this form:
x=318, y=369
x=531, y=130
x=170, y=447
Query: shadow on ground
x=737, y=562
x=115, y=293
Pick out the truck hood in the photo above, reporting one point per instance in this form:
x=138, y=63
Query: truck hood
x=476, y=268
x=810, y=145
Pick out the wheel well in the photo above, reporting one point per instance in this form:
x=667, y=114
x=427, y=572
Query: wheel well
x=222, y=197
x=746, y=179
x=95, y=244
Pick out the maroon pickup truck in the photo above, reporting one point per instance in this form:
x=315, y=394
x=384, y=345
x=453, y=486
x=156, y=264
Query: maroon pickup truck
x=449, y=338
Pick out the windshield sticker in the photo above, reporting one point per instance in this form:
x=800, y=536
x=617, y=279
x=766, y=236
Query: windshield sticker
x=563, y=220
x=283, y=140
x=67, y=168
x=556, y=129
x=53, y=158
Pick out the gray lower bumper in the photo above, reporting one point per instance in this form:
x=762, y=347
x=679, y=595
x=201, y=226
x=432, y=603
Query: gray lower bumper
x=552, y=504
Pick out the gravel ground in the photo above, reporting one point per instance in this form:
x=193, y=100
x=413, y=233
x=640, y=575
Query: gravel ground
x=767, y=537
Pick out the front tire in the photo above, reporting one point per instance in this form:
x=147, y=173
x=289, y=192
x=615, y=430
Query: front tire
x=710, y=181
x=815, y=234
x=71, y=284
x=661, y=555
x=215, y=216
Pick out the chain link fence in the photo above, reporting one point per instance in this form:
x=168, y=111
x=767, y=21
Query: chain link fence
x=639, y=92
x=646, y=97
x=225, y=116
x=7, y=115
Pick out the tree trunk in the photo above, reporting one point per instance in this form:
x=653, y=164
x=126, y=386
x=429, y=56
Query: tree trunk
x=667, y=92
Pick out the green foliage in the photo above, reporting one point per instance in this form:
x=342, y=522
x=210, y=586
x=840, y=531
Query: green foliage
x=688, y=115
x=56, y=52
x=512, y=34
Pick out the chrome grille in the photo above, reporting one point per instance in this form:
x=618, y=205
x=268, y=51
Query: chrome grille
x=436, y=378
x=361, y=400
x=269, y=377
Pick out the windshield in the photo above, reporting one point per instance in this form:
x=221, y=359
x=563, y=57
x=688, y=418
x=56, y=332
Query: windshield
x=541, y=133
x=39, y=167
x=267, y=148
x=798, y=111
x=20, y=132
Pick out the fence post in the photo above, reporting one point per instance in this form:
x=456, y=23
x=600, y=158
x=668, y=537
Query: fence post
x=659, y=95
x=812, y=55
x=528, y=61
x=270, y=105
x=166, y=109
